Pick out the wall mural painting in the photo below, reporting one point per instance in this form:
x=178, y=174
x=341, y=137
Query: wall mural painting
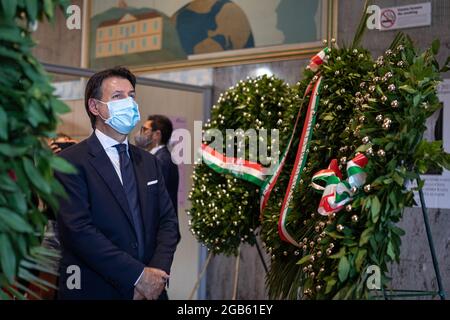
x=139, y=32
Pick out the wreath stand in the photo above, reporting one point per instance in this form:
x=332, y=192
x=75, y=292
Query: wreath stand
x=421, y=293
x=236, y=271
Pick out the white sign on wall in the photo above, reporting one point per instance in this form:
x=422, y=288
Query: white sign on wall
x=437, y=186
x=414, y=15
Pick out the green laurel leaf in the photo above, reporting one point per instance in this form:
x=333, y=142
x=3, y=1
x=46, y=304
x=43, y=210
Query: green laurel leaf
x=343, y=268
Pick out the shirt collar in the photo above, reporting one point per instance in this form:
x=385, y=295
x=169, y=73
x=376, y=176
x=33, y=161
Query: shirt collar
x=156, y=149
x=106, y=141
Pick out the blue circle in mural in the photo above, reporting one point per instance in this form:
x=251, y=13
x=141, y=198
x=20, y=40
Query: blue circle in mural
x=212, y=26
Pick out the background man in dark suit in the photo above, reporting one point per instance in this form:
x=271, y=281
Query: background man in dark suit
x=118, y=226
x=154, y=136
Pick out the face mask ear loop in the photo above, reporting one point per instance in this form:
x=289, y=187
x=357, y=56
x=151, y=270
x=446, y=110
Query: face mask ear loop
x=99, y=110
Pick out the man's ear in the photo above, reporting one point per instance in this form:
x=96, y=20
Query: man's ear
x=156, y=136
x=93, y=107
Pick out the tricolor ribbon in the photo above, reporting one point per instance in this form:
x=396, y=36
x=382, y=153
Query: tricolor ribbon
x=299, y=164
x=318, y=60
x=337, y=193
x=270, y=183
x=302, y=151
x=239, y=168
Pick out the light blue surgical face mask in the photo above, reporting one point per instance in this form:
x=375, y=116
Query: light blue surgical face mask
x=123, y=114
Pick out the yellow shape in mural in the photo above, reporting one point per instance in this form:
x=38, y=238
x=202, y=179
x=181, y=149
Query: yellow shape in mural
x=129, y=34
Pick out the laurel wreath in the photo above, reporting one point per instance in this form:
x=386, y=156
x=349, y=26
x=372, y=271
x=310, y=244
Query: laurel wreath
x=378, y=108
x=225, y=209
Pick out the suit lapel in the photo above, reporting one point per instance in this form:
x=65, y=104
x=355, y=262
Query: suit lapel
x=102, y=164
x=141, y=181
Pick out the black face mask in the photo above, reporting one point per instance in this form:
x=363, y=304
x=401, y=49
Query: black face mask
x=142, y=141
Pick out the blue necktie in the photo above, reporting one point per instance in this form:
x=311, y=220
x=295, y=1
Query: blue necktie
x=131, y=191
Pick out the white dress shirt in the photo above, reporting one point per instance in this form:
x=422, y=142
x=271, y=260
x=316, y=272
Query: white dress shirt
x=156, y=149
x=108, y=144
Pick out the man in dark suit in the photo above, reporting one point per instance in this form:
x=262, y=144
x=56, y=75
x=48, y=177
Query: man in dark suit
x=118, y=227
x=154, y=136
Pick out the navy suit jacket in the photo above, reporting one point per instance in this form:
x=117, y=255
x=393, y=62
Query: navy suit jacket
x=170, y=174
x=95, y=223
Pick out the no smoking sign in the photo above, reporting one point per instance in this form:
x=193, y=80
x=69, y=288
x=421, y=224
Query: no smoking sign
x=409, y=16
x=388, y=18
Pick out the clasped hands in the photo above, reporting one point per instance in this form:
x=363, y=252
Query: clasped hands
x=151, y=284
